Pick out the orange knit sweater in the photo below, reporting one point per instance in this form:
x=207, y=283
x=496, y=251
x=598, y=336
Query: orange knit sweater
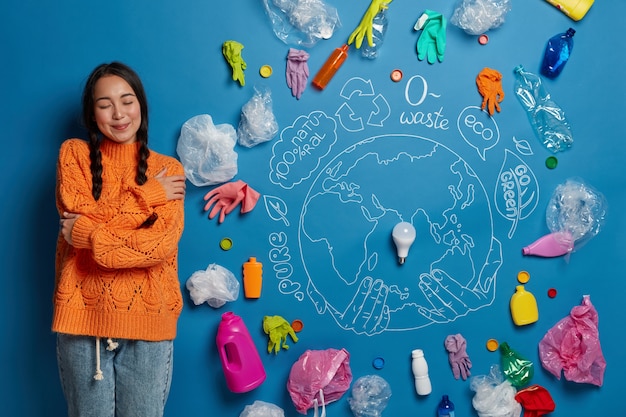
x=119, y=280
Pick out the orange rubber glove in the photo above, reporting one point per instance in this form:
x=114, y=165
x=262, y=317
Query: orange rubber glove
x=489, y=83
x=227, y=196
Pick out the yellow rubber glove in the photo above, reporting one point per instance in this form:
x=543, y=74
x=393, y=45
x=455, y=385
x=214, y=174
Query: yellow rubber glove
x=232, y=52
x=365, y=27
x=277, y=328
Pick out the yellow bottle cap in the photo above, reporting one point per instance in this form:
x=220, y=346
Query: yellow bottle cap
x=265, y=71
x=226, y=243
x=492, y=345
x=523, y=277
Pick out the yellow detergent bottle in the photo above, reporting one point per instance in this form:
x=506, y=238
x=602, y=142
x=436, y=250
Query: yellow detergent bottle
x=523, y=307
x=574, y=9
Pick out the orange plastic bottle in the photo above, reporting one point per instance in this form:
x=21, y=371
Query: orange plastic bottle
x=252, y=278
x=330, y=67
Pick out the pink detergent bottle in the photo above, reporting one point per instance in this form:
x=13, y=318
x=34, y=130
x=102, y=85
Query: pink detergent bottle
x=240, y=359
x=551, y=245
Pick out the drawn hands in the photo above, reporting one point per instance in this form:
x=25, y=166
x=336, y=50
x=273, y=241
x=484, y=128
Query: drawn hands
x=297, y=71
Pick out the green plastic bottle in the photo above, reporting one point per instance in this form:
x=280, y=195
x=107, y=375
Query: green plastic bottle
x=517, y=369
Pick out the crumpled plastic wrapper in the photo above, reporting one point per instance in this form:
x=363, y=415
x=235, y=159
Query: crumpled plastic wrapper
x=476, y=17
x=370, y=395
x=257, y=123
x=262, y=409
x=495, y=396
x=207, y=151
x=216, y=285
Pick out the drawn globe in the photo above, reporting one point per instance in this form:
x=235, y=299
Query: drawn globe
x=356, y=199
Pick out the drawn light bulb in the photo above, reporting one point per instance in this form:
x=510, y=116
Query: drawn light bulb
x=403, y=235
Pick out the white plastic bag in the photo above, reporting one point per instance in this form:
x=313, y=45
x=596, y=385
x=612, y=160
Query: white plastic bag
x=216, y=285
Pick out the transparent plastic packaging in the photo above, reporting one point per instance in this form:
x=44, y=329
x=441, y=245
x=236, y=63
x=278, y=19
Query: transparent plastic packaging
x=258, y=123
x=557, y=53
x=262, y=409
x=495, y=397
x=207, y=151
x=545, y=116
x=379, y=28
x=216, y=285
x=476, y=17
x=369, y=397
x=302, y=22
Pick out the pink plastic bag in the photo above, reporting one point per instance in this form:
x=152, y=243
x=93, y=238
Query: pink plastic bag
x=326, y=370
x=573, y=346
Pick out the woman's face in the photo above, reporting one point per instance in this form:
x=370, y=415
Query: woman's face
x=117, y=110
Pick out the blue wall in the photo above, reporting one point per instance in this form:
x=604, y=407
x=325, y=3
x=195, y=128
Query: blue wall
x=48, y=50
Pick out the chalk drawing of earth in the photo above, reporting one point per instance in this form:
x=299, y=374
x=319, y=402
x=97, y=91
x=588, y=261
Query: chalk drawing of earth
x=348, y=253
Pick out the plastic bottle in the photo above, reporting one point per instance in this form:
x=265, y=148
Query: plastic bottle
x=557, y=53
x=546, y=117
x=574, y=9
x=240, y=359
x=523, y=307
x=419, y=366
x=445, y=408
x=330, y=67
x=517, y=369
x=379, y=28
x=551, y=245
x=252, y=278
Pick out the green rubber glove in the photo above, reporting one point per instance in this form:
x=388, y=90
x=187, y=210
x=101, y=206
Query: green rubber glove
x=364, y=30
x=432, y=41
x=232, y=52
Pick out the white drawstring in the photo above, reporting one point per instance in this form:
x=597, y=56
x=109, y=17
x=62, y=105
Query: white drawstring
x=111, y=346
x=323, y=405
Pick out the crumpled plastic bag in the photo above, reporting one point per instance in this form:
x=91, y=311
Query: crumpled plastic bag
x=573, y=346
x=262, y=409
x=207, y=151
x=319, y=370
x=216, y=285
x=302, y=22
x=495, y=396
x=370, y=395
x=257, y=123
x=476, y=17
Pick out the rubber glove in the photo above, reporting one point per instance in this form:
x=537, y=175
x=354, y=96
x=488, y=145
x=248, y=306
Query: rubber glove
x=489, y=83
x=365, y=27
x=277, y=328
x=297, y=71
x=432, y=41
x=457, y=356
x=227, y=196
x=232, y=52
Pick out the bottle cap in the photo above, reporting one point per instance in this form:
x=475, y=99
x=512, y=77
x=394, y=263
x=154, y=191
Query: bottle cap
x=492, y=345
x=483, y=39
x=265, y=71
x=297, y=325
x=552, y=292
x=226, y=243
x=523, y=277
x=378, y=363
x=396, y=75
x=551, y=162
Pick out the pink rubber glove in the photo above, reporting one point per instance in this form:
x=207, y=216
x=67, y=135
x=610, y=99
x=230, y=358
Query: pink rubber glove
x=297, y=71
x=227, y=196
x=457, y=356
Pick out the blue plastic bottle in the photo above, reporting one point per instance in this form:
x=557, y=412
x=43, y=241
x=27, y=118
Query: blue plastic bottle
x=379, y=28
x=557, y=53
x=445, y=408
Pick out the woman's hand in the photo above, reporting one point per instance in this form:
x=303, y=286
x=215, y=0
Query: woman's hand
x=174, y=185
x=67, y=225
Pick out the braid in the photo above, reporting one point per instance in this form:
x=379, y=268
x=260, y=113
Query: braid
x=96, y=166
x=142, y=163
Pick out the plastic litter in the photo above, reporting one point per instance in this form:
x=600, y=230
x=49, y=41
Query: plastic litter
x=302, y=22
x=232, y=52
x=277, y=329
x=495, y=397
x=372, y=28
x=319, y=377
x=536, y=401
x=257, y=123
x=431, y=43
x=207, y=151
x=227, y=197
x=262, y=409
x=572, y=346
x=517, y=369
x=297, y=72
x=460, y=362
x=479, y=16
x=369, y=396
x=489, y=83
x=216, y=285
x=557, y=53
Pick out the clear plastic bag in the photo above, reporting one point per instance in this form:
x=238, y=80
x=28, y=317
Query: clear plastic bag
x=207, y=151
x=216, y=285
x=370, y=395
x=262, y=409
x=495, y=397
x=302, y=22
x=478, y=16
x=257, y=123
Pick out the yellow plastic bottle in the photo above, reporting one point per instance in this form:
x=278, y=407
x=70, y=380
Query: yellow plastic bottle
x=574, y=9
x=523, y=307
x=252, y=278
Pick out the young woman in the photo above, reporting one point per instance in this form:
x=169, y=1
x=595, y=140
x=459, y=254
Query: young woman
x=117, y=296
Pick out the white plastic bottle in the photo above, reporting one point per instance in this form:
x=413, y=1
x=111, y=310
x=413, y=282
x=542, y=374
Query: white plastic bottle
x=420, y=371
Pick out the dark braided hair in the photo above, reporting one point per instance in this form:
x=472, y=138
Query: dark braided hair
x=95, y=136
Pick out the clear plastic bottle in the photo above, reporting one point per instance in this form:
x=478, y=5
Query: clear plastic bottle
x=546, y=117
x=557, y=53
x=445, y=407
x=379, y=28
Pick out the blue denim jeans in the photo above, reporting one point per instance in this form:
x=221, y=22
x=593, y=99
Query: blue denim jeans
x=136, y=376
